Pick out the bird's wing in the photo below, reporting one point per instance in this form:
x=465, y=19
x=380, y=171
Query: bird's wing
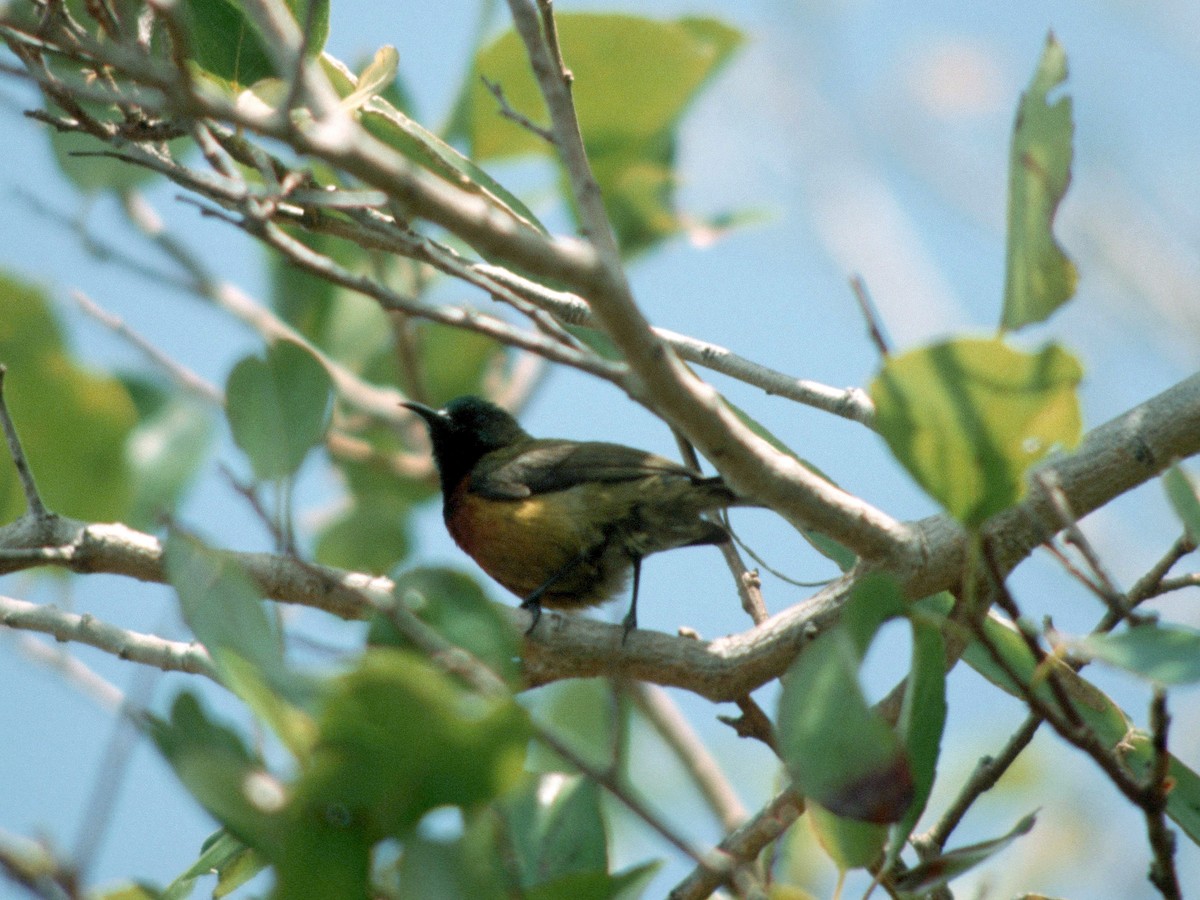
x=545, y=466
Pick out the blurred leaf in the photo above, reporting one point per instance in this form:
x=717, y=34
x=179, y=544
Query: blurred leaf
x=217, y=769
x=224, y=611
x=165, y=451
x=470, y=866
x=1039, y=276
x=1167, y=654
x=634, y=78
x=968, y=417
x=455, y=361
x=367, y=538
x=596, y=885
x=455, y=605
x=556, y=828
x=73, y=425
x=1185, y=500
x=375, y=77
x=225, y=42
x=843, y=755
x=932, y=873
x=398, y=738
x=923, y=715
x=278, y=408
x=850, y=844
x=582, y=712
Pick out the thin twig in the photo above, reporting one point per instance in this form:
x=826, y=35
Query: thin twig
x=147, y=649
x=1162, y=839
x=983, y=779
x=870, y=314
x=744, y=844
x=33, y=499
x=664, y=714
x=183, y=376
x=506, y=110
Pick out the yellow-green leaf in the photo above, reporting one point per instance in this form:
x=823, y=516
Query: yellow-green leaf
x=1039, y=276
x=968, y=417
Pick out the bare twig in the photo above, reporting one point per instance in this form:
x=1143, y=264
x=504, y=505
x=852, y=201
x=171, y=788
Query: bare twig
x=506, y=110
x=745, y=843
x=983, y=779
x=33, y=499
x=870, y=314
x=1162, y=839
x=156, y=652
x=183, y=376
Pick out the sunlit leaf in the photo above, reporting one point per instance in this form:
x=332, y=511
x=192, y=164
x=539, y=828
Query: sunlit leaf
x=1039, y=276
x=968, y=417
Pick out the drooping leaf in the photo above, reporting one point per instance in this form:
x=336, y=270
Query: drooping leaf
x=923, y=715
x=1039, y=276
x=842, y=754
x=555, y=828
x=932, y=873
x=968, y=417
x=278, y=407
x=230, y=859
x=225, y=612
x=74, y=425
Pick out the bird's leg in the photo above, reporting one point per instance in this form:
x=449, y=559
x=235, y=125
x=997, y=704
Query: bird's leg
x=533, y=603
x=630, y=621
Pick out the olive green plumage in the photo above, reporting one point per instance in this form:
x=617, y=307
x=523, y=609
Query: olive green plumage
x=562, y=523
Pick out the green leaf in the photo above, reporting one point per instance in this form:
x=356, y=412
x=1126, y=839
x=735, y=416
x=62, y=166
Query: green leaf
x=968, y=417
x=74, y=425
x=923, y=715
x=455, y=605
x=220, y=772
x=370, y=94
x=583, y=713
x=278, y=408
x=1167, y=654
x=369, y=537
x=1185, y=499
x=229, y=858
x=556, y=828
x=933, y=873
x=165, y=450
x=397, y=738
x=850, y=844
x=225, y=42
x=843, y=755
x=628, y=120
x=1039, y=277
x=595, y=885
x=223, y=609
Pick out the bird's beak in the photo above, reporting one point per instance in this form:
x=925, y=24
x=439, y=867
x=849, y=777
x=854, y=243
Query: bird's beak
x=433, y=417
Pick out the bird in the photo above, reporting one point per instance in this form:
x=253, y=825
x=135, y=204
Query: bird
x=563, y=523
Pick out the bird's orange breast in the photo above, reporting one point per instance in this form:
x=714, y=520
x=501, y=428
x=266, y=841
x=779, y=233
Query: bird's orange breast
x=523, y=543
